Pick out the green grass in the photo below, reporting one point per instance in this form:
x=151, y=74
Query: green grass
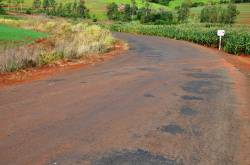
x=13, y=36
x=175, y=3
x=242, y=18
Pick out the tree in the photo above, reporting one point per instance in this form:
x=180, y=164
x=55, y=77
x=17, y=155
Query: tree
x=60, y=10
x=210, y=14
x=9, y=4
x=127, y=13
x=133, y=9
x=2, y=11
x=112, y=11
x=183, y=12
x=46, y=4
x=74, y=8
x=217, y=14
x=82, y=9
x=36, y=4
x=231, y=14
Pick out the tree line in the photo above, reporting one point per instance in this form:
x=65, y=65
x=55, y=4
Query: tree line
x=218, y=14
x=146, y=15
x=76, y=9
x=68, y=9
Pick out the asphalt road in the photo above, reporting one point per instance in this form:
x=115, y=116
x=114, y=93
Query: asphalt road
x=163, y=102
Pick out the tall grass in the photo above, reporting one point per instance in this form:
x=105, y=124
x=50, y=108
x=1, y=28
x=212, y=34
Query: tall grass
x=236, y=40
x=65, y=40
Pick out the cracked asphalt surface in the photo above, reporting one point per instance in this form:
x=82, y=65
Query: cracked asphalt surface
x=163, y=102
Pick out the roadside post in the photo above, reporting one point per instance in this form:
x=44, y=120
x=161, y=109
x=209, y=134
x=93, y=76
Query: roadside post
x=220, y=33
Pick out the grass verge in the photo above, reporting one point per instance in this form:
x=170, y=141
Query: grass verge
x=65, y=41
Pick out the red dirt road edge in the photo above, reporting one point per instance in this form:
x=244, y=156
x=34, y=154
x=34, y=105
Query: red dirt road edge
x=37, y=73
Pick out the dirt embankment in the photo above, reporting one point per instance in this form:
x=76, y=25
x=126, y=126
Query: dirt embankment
x=30, y=74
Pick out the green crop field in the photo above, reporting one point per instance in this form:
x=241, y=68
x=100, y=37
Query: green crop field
x=242, y=18
x=236, y=40
x=175, y=3
x=12, y=36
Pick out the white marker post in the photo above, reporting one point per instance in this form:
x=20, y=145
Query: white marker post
x=220, y=33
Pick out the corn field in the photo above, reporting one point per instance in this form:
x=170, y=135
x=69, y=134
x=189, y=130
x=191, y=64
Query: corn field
x=235, y=41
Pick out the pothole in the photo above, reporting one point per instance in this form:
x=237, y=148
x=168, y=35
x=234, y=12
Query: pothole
x=173, y=129
x=138, y=157
x=186, y=97
x=204, y=75
x=188, y=111
x=148, y=95
x=200, y=87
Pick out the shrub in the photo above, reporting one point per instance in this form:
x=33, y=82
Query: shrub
x=183, y=12
x=2, y=11
x=217, y=14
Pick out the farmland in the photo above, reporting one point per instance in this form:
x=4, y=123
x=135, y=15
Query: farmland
x=13, y=36
x=237, y=40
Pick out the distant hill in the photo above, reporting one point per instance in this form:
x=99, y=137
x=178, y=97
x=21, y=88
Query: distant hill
x=97, y=7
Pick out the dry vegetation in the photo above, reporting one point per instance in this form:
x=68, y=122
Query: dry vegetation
x=65, y=41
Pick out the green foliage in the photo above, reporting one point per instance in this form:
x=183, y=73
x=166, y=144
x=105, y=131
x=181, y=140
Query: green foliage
x=217, y=14
x=236, y=41
x=163, y=2
x=82, y=11
x=77, y=9
x=28, y=11
x=183, y=12
x=145, y=14
x=112, y=11
x=36, y=4
x=240, y=1
x=2, y=11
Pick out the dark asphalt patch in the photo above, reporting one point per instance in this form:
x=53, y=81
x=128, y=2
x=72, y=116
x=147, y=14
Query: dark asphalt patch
x=203, y=75
x=148, y=95
x=173, y=129
x=186, y=97
x=188, y=111
x=200, y=87
x=138, y=157
x=148, y=69
x=192, y=69
x=54, y=80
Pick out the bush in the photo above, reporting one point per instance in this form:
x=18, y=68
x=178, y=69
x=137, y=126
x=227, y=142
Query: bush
x=28, y=11
x=183, y=12
x=236, y=40
x=2, y=11
x=216, y=14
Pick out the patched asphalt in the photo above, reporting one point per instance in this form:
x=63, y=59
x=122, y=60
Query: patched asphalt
x=163, y=102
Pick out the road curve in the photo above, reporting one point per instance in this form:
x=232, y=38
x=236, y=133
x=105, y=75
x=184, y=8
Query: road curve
x=163, y=102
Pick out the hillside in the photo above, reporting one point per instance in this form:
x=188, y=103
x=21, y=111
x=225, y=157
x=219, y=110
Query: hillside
x=97, y=7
